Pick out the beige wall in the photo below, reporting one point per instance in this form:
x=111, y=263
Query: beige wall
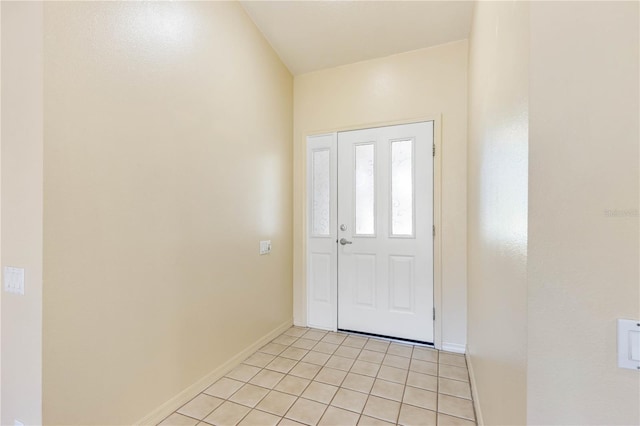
x=411, y=85
x=583, y=265
x=497, y=205
x=21, y=191
x=167, y=157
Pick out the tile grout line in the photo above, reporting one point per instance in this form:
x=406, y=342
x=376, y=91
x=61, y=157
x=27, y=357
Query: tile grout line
x=345, y=378
x=338, y=385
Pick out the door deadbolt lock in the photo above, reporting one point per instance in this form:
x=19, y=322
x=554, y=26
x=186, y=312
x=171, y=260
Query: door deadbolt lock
x=343, y=227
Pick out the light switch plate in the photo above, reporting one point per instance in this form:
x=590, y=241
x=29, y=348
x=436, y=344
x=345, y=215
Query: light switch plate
x=265, y=247
x=629, y=344
x=13, y=280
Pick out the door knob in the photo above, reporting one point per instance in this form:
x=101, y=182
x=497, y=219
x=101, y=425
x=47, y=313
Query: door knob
x=344, y=241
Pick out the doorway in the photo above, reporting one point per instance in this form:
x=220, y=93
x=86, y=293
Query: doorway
x=370, y=245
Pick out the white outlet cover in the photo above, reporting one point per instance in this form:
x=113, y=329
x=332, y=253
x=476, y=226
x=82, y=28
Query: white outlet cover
x=629, y=344
x=13, y=280
x=265, y=247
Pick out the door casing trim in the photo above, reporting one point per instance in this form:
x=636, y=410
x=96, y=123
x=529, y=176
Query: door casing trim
x=437, y=214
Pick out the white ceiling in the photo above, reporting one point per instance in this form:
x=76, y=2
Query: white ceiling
x=312, y=35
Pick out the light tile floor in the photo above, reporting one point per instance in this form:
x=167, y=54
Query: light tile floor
x=308, y=377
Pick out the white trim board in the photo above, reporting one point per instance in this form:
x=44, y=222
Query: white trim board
x=474, y=392
x=160, y=413
x=453, y=347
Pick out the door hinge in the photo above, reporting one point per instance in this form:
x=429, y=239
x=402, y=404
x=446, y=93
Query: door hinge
x=434, y=314
x=434, y=230
x=434, y=149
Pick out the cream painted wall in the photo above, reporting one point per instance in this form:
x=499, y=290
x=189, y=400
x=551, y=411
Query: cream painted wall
x=21, y=190
x=583, y=265
x=411, y=85
x=497, y=206
x=167, y=157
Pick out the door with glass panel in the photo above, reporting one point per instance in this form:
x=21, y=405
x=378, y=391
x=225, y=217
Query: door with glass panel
x=385, y=231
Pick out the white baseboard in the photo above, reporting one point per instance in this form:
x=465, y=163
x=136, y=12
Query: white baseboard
x=474, y=392
x=160, y=413
x=453, y=347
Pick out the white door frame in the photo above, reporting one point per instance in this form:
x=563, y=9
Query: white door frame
x=331, y=324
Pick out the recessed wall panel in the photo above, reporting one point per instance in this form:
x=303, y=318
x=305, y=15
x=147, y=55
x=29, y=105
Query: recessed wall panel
x=401, y=283
x=321, y=276
x=365, y=279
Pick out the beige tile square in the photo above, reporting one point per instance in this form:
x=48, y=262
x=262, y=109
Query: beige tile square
x=452, y=372
x=371, y=356
x=445, y=420
x=420, y=398
x=377, y=345
x=303, y=343
x=325, y=348
x=259, y=418
x=340, y=363
x=425, y=354
x=422, y=381
x=289, y=422
x=305, y=411
x=317, y=358
x=414, y=416
x=350, y=400
x=365, y=368
x=259, y=359
x=396, y=361
x=314, y=334
x=453, y=359
x=370, y=421
x=282, y=365
x=200, y=406
x=457, y=407
x=382, y=409
x=358, y=382
x=320, y=392
x=272, y=348
x=392, y=374
x=277, y=403
x=243, y=372
x=294, y=353
x=229, y=413
x=292, y=384
x=267, y=379
x=176, y=419
x=283, y=339
x=306, y=370
x=388, y=390
x=454, y=388
x=335, y=338
x=400, y=350
x=338, y=417
x=347, y=352
x=296, y=331
x=249, y=395
x=355, y=342
x=223, y=388
x=330, y=376
x=424, y=367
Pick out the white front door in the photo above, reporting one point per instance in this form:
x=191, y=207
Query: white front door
x=385, y=231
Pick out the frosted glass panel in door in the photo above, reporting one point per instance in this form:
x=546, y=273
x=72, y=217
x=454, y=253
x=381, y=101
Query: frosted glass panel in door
x=402, y=188
x=364, y=189
x=321, y=192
